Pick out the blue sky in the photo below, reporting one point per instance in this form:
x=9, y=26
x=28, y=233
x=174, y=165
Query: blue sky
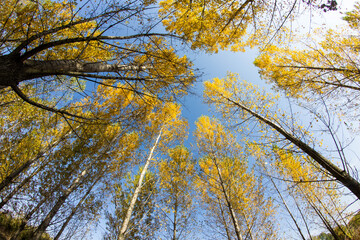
x=217, y=65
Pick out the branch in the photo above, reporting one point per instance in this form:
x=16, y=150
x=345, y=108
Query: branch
x=236, y=13
x=18, y=91
x=85, y=39
x=57, y=29
x=322, y=68
x=88, y=75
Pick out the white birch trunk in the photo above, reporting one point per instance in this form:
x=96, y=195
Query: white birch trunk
x=126, y=221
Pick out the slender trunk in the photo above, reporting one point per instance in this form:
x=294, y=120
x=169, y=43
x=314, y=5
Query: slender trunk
x=126, y=221
x=223, y=217
x=61, y=200
x=228, y=203
x=9, y=179
x=27, y=218
x=321, y=216
x=35, y=209
x=175, y=218
x=303, y=218
x=46, y=221
x=74, y=210
x=339, y=174
x=18, y=187
x=287, y=209
x=338, y=225
x=248, y=226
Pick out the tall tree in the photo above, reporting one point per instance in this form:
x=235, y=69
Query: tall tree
x=143, y=223
x=237, y=100
x=124, y=227
x=231, y=192
x=176, y=193
x=164, y=122
x=57, y=47
x=323, y=65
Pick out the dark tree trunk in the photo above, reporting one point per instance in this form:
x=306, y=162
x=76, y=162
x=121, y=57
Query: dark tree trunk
x=10, y=70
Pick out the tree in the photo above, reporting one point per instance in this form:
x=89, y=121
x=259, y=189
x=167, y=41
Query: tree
x=143, y=220
x=232, y=96
x=176, y=192
x=77, y=163
x=310, y=69
x=315, y=198
x=230, y=191
x=50, y=48
x=166, y=121
x=124, y=232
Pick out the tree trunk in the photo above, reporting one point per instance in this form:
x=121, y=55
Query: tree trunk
x=28, y=216
x=228, y=203
x=9, y=179
x=288, y=209
x=126, y=221
x=18, y=187
x=225, y=223
x=61, y=200
x=10, y=70
x=74, y=210
x=58, y=67
x=13, y=70
x=175, y=218
x=46, y=221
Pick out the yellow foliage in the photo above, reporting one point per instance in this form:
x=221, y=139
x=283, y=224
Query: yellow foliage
x=219, y=24
x=21, y=19
x=225, y=179
x=328, y=68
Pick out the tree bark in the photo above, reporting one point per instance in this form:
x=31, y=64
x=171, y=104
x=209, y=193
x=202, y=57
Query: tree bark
x=175, y=218
x=13, y=70
x=223, y=217
x=10, y=70
x=61, y=67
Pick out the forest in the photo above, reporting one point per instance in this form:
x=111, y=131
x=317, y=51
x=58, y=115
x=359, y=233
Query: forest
x=94, y=144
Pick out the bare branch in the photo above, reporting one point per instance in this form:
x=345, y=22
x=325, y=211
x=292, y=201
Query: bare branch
x=18, y=91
